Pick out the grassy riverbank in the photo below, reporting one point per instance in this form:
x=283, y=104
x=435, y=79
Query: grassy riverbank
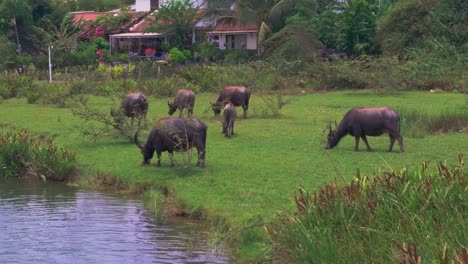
x=253, y=176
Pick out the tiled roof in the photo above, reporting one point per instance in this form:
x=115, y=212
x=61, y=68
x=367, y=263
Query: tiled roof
x=235, y=27
x=140, y=26
x=91, y=15
x=86, y=16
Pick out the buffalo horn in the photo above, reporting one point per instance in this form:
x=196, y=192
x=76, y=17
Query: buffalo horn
x=336, y=124
x=135, y=138
x=329, y=126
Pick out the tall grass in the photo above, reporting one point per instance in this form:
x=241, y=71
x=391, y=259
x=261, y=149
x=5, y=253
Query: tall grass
x=25, y=155
x=406, y=217
x=419, y=124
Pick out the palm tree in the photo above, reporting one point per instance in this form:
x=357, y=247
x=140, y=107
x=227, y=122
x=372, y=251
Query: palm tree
x=14, y=11
x=270, y=15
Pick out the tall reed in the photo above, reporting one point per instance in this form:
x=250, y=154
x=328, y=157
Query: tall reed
x=405, y=216
x=419, y=124
x=32, y=156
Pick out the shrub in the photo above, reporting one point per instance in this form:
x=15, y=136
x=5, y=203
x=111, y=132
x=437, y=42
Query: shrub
x=176, y=56
x=12, y=84
x=237, y=56
x=166, y=87
x=417, y=214
x=25, y=155
x=53, y=93
x=207, y=51
x=204, y=76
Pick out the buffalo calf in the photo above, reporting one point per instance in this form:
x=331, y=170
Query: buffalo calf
x=229, y=117
x=184, y=98
x=135, y=105
x=237, y=95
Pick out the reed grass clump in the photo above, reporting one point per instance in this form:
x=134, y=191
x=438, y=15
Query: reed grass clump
x=24, y=155
x=419, y=124
x=415, y=216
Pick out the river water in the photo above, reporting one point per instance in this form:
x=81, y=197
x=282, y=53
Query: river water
x=54, y=223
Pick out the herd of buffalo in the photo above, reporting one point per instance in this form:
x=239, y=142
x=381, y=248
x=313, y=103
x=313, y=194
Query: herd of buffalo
x=181, y=134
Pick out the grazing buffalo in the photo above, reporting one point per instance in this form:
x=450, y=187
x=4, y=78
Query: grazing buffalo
x=237, y=95
x=184, y=98
x=175, y=134
x=367, y=121
x=229, y=117
x=135, y=105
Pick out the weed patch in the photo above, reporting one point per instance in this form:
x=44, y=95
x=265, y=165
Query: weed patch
x=419, y=214
x=37, y=157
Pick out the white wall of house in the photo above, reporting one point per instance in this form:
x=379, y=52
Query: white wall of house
x=252, y=41
x=143, y=5
x=241, y=41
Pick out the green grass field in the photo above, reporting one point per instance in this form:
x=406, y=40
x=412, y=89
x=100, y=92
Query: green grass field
x=253, y=176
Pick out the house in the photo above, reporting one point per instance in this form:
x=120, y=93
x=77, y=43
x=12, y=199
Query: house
x=135, y=40
x=223, y=29
x=228, y=33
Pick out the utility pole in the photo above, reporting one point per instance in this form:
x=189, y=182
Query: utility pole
x=50, y=64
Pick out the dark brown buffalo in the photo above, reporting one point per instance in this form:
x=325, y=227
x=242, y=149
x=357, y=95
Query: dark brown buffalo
x=237, y=95
x=135, y=105
x=175, y=134
x=184, y=98
x=367, y=121
x=229, y=117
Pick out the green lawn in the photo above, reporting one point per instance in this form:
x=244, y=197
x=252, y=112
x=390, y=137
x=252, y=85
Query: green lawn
x=254, y=175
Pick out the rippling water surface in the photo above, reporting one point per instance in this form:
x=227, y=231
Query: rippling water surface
x=51, y=223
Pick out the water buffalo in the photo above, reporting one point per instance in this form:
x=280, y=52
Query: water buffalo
x=229, y=117
x=135, y=105
x=237, y=95
x=367, y=121
x=175, y=134
x=184, y=98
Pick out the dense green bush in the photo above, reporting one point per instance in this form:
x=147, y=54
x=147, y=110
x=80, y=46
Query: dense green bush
x=411, y=21
x=25, y=155
x=166, y=87
x=390, y=218
x=176, y=56
x=12, y=84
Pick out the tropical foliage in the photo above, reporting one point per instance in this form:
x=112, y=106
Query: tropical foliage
x=175, y=19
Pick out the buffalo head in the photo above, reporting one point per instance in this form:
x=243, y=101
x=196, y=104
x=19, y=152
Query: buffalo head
x=216, y=108
x=172, y=108
x=332, y=138
x=147, y=153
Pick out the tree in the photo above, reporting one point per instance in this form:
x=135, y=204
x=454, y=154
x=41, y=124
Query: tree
x=18, y=12
x=175, y=19
x=283, y=24
x=62, y=37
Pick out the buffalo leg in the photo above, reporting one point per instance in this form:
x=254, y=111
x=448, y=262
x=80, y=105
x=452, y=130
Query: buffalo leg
x=392, y=141
x=356, y=143
x=224, y=128
x=171, y=157
x=158, y=153
x=400, y=142
x=245, y=108
x=364, y=138
x=201, y=157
